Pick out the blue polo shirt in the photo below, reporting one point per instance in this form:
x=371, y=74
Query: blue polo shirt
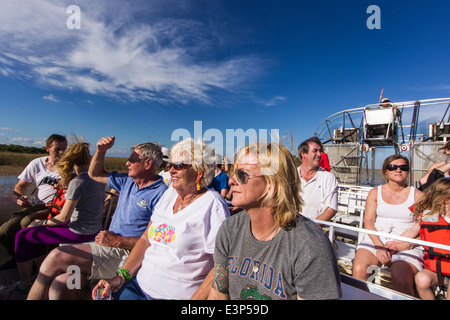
x=219, y=182
x=135, y=206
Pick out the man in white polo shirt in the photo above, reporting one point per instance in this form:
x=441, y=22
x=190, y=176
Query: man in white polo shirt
x=319, y=187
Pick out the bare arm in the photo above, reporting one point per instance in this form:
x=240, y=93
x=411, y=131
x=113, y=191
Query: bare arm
x=398, y=245
x=327, y=215
x=63, y=217
x=133, y=264
x=19, y=190
x=220, y=285
x=134, y=261
x=97, y=167
x=111, y=239
x=441, y=166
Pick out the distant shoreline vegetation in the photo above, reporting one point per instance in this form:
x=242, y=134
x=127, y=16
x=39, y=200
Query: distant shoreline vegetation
x=21, y=149
x=20, y=158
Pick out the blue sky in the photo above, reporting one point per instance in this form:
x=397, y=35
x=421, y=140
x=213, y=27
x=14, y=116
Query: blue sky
x=142, y=69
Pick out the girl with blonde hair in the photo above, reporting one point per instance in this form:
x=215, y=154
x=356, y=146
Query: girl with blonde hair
x=79, y=221
x=432, y=214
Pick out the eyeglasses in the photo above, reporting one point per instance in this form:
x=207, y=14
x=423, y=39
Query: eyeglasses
x=130, y=160
x=394, y=167
x=242, y=177
x=179, y=165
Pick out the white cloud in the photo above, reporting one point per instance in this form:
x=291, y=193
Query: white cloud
x=438, y=87
x=34, y=142
x=8, y=129
x=275, y=101
x=50, y=97
x=117, y=53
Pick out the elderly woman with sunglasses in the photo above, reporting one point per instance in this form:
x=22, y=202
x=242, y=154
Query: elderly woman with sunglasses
x=268, y=250
x=388, y=210
x=174, y=257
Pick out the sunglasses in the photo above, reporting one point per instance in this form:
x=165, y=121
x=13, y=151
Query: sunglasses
x=242, y=177
x=394, y=167
x=130, y=160
x=179, y=165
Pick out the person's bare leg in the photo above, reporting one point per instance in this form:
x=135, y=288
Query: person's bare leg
x=59, y=290
x=402, y=275
x=25, y=269
x=425, y=280
x=363, y=259
x=57, y=263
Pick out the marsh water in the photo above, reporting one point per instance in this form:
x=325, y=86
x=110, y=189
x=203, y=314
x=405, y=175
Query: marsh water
x=7, y=199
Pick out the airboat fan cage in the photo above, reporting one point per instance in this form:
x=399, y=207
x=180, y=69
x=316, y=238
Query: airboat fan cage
x=358, y=140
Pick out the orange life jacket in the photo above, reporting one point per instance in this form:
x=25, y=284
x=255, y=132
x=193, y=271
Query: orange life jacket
x=434, y=228
x=59, y=199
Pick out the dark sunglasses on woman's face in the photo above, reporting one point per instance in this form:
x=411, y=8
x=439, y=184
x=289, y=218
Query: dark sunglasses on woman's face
x=179, y=165
x=394, y=167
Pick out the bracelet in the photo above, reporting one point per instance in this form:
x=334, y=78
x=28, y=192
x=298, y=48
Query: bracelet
x=125, y=274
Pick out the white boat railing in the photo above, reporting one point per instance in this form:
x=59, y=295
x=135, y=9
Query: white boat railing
x=356, y=289
x=333, y=225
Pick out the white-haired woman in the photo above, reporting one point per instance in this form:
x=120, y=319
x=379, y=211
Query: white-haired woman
x=268, y=250
x=174, y=257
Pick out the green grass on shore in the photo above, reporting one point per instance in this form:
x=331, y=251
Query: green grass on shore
x=12, y=163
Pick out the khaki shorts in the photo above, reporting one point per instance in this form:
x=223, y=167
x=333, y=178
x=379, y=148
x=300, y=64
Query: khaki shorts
x=106, y=261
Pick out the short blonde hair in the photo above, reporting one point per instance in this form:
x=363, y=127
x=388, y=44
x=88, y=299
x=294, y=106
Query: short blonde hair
x=199, y=154
x=283, y=184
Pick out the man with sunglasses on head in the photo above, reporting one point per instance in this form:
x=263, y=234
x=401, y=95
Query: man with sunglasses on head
x=319, y=187
x=140, y=190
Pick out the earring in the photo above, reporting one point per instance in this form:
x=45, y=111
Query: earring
x=198, y=180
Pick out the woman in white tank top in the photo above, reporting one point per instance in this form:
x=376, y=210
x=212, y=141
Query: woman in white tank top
x=387, y=210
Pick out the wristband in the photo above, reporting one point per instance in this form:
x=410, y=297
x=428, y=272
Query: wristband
x=125, y=274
